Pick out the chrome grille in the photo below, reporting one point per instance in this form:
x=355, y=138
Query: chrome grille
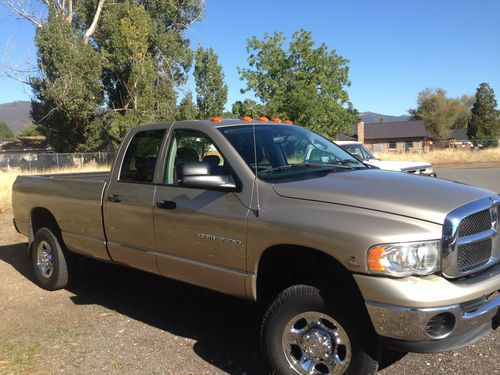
x=473, y=255
x=470, y=240
x=476, y=223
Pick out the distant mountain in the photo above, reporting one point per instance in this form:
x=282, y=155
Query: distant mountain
x=368, y=117
x=16, y=114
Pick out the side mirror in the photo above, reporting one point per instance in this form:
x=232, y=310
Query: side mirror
x=197, y=175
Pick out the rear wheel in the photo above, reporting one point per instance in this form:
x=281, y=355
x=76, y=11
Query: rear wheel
x=306, y=333
x=49, y=261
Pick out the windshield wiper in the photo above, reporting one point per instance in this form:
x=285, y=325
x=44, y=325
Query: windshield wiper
x=306, y=165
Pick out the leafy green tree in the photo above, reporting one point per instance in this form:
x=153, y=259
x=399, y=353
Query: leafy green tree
x=484, y=123
x=441, y=113
x=211, y=91
x=118, y=62
x=5, y=131
x=248, y=107
x=304, y=83
x=29, y=130
x=187, y=110
x=68, y=89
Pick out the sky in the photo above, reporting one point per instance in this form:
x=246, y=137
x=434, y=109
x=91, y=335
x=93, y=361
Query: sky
x=395, y=48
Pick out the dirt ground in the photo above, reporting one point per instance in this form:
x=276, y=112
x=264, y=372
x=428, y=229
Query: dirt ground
x=114, y=320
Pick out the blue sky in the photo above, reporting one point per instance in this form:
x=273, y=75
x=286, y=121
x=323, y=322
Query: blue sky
x=395, y=48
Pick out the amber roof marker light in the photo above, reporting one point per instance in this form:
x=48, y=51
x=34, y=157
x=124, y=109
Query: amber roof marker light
x=262, y=118
x=288, y=122
x=246, y=118
x=277, y=119
x=216, y=119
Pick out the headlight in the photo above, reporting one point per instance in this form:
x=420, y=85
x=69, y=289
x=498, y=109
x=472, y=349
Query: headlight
x=403, y=259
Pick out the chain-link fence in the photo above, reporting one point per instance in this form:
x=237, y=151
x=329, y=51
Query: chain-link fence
x=44, y=161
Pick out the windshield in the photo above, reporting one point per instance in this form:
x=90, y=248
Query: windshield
x=359, y=150
x=288, y=151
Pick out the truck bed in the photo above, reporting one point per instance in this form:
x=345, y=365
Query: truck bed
x=73, y=199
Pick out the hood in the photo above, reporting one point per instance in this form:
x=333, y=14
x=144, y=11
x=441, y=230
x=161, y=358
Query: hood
x=420, y=197
x=398, y=165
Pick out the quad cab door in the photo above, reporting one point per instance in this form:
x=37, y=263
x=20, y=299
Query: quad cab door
x=129, y=201
x=200, y=234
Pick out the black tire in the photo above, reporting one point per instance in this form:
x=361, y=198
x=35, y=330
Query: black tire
x=46, y=242
x=305, y=299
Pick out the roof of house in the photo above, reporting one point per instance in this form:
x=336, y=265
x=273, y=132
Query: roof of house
x=391, y=130
x=459, y=134
x=31, y=143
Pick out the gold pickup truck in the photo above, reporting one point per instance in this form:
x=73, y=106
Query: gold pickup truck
x=347, y=258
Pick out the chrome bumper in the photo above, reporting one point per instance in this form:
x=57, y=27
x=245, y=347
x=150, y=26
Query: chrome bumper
x=413, y=324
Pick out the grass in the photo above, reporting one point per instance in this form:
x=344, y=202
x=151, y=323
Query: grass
x=8, y=177
x=447, y=157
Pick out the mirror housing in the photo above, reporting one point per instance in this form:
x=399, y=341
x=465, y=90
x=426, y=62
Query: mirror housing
x=197, y=175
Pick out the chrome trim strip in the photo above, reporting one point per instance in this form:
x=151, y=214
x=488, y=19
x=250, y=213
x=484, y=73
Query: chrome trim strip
x=451, y=241
x=466, y=240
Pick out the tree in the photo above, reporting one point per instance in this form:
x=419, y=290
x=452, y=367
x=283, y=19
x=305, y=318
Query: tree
x=302, y=83
x=187, y=110
x=484, y=123
x=248, y=107
x=107, y=65
x=440, y=113
x=29, y=130
x=211, y=91
x=5, y=131
x=68, y=90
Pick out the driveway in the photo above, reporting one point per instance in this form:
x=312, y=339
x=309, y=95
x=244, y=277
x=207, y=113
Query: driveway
x=488, y=178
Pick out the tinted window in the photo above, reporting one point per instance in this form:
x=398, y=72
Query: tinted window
x=193, y=146
x=141, y=156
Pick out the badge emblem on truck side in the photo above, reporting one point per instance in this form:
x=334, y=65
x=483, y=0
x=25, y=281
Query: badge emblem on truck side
x=224, y=240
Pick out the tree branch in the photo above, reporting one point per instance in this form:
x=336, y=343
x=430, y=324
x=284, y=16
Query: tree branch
x=90, y=31
x=69, y=16
x=18, y=8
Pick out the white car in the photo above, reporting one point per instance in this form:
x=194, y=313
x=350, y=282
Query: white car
x=361, y=152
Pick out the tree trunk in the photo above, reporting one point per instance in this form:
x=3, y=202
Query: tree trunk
x=90, y=31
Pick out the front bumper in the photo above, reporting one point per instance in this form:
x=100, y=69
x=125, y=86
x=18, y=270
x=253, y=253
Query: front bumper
x=403, y=310
x=435, y=329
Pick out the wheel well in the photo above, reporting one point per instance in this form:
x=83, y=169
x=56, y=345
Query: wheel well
x=41, y=217
x=285, y=265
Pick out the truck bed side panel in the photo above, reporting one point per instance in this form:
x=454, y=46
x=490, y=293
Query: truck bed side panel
x=74, y=201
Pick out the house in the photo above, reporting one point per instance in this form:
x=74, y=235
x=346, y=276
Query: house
x=24, y=152
x=391, y=136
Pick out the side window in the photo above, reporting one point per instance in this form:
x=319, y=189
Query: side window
x=193, y=145
x=140, y=159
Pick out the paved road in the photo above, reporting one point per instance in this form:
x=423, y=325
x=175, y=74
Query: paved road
x=488, y=178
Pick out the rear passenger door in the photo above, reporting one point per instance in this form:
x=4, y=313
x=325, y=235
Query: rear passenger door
x=128, y=204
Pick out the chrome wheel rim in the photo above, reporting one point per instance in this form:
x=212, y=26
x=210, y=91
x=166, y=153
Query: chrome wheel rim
x=45, y=259
x=315, y=343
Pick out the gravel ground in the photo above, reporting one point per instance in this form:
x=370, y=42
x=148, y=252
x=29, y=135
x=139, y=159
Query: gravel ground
x=115, y=320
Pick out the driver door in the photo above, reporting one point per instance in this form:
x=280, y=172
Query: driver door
x=200, y=234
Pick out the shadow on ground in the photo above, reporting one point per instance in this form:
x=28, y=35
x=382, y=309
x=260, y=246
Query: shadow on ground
x=225, y=328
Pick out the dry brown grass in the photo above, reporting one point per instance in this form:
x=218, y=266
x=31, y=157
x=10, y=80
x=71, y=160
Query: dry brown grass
x=7, y=178
x=448, y=156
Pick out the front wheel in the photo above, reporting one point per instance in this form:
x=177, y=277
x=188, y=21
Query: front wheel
x=306, y=333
